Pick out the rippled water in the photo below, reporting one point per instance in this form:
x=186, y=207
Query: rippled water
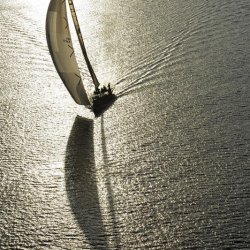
x=166, y=167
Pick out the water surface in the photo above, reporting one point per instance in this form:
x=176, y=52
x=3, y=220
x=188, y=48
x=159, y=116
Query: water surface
x=166, y=167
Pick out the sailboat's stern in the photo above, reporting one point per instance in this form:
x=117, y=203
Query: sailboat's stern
x=102, y=101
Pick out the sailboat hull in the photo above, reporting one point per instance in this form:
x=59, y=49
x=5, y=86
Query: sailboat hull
x=102, y=102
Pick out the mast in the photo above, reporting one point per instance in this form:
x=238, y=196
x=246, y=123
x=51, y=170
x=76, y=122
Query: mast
x=80, y=38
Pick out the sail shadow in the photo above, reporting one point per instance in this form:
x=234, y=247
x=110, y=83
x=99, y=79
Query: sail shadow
x=110, y=194
x=81, y=183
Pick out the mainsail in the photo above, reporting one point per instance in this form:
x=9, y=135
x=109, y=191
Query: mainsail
x=62, y=52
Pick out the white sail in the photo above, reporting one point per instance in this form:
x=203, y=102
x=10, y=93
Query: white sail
x=62, y=52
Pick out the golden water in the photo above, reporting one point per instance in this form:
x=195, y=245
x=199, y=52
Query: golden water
x=166, y=167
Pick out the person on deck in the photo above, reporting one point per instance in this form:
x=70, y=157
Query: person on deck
x=109, y=89
x=97, y=91
x=103, y=89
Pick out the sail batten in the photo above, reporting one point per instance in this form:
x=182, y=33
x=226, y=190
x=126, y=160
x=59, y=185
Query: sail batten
x=62, y=52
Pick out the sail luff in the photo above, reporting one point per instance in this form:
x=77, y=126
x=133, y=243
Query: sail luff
x=62, y=52
x=80, y=38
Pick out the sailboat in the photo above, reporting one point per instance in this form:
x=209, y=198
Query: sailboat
x=62, y=53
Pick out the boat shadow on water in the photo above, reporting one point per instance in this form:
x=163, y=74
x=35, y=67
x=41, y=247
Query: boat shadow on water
x=110, y=194
x=81, y=183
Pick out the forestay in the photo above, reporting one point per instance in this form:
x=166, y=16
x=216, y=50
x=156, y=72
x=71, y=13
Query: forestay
x=62, y=52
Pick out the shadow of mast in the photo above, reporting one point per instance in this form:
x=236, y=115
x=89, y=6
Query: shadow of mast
x=110, y=195
x=81, y=183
